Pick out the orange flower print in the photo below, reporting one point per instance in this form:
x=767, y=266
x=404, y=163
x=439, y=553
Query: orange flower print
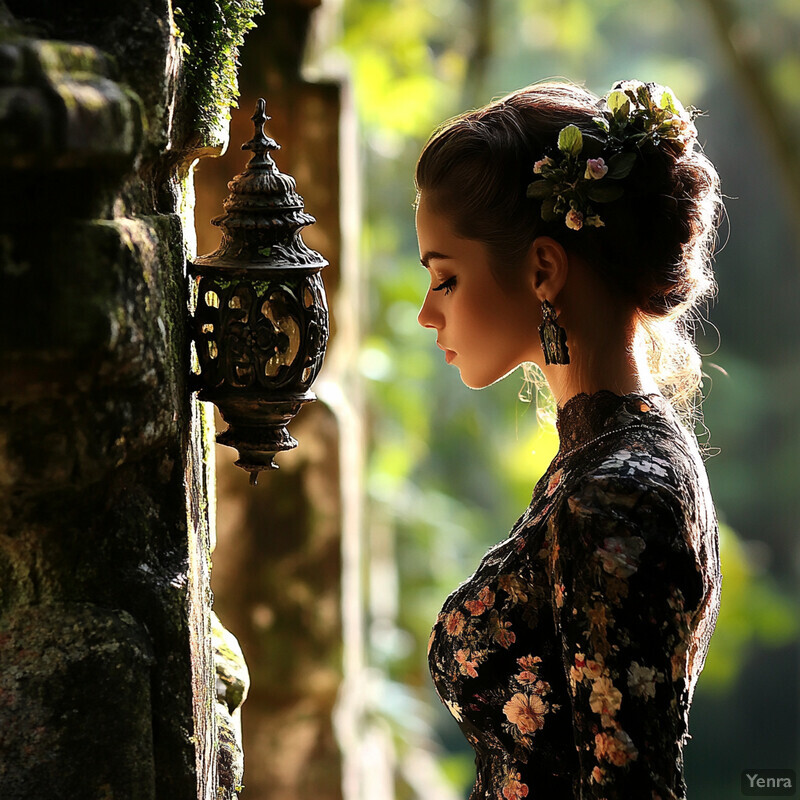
x=500, y=631
x=605, y=698
x=540, y=515
x=678, y=660
x=555, y=480
x=618, y=748
x=597, y=617
x=592, y=668
x=541, y=687
x=485, y=600
x=465, y=666
x=560, y=589
x=514, y=587
x=576, y=672
x=526, y=712
x=513, y=788
x=642, y=680
x=598, y=775
x=454, y=623
x=529, y=669
x=505, y=638
x=595, y=667
x=455, y=709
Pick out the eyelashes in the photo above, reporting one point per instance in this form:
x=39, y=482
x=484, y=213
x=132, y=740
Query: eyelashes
x=445, y=286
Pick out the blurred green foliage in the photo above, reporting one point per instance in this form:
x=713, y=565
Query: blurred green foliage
x=755, y=610
x=450, y=468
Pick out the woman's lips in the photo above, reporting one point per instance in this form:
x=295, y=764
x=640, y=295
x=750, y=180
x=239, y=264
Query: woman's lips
x=449, y=355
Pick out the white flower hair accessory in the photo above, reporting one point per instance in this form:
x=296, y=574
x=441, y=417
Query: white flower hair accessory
x=587, y=169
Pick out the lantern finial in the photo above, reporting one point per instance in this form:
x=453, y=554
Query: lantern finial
x=260, y=144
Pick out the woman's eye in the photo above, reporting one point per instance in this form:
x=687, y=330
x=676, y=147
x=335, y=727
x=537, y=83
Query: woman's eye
x=446, y=286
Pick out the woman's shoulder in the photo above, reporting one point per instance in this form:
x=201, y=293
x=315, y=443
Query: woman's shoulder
x=644, y=452
x=644, y=477
x=651, y=460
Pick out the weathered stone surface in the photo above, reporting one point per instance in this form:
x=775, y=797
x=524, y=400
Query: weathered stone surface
x=57, y=661
x=233, y=683
x=59, y=105
x=107, y=680
x=233, y=680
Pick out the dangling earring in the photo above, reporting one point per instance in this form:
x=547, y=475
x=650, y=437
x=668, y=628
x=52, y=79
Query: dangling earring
x=554, y=337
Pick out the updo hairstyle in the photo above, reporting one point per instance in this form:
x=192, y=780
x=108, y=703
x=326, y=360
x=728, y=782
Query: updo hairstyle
x=655, y=247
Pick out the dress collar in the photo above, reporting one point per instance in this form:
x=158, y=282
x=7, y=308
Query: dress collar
x=587, y=416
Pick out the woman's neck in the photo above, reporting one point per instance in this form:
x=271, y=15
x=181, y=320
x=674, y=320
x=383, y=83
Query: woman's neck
x=601, y=360
x=601, y=327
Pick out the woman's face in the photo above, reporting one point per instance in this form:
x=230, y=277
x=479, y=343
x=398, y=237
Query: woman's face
x=485, y=329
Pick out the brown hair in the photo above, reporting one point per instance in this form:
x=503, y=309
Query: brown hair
x=658, y=238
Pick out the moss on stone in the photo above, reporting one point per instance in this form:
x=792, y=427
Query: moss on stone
x=212, y=32
x=77, y=60
x=233, y=681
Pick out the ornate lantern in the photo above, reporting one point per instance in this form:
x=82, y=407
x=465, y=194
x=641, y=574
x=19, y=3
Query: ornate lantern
x=261, y=319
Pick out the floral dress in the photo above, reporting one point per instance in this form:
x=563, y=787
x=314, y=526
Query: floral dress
x=569, y=659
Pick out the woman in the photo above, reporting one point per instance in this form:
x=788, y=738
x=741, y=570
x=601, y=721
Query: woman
x=575, y=234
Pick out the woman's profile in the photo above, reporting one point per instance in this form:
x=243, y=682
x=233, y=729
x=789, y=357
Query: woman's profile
x=575, y=233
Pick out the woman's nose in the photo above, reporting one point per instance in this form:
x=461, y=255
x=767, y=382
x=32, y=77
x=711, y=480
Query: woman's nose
x=427, y=317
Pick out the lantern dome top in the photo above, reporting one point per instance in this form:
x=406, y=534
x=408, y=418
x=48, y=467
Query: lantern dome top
x=263, y=216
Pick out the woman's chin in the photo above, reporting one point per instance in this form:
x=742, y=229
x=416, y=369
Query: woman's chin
x=482, y=381
x=470, y=381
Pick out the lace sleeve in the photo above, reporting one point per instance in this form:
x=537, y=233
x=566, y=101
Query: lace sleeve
x=625, y=589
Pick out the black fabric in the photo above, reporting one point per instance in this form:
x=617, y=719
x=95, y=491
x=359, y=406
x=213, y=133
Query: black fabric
x=569, y=658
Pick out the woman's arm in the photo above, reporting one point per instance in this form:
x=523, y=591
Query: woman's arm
x=626, y=585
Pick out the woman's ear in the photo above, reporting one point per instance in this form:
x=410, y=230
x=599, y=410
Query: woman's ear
x=548, y=265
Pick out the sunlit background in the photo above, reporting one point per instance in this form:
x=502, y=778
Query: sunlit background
x=448, y=470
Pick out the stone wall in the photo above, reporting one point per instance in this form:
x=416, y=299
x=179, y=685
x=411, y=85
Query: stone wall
x=107, y=680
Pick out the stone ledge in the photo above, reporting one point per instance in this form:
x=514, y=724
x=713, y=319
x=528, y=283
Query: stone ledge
x=60, y=108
